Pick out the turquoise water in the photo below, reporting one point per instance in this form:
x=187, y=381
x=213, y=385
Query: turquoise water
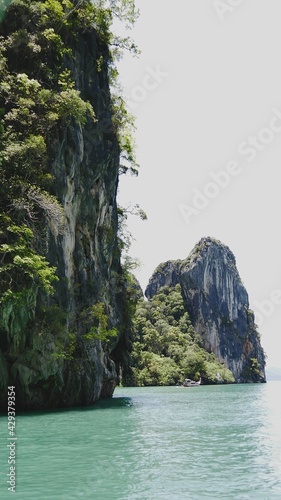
x=216, y=442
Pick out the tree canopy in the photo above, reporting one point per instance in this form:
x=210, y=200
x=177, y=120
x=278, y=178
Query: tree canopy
x=167, y=349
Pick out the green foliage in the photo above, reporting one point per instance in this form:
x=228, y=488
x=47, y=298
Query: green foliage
x=21, y=267
x=38, y=98
x=124, y=10
x=156, y=370
x=23, y=272
x=50, y=327
x=167, y=349
x=124, y=236
x=65, y=349
x=41, y=96
x=29, y=114
x=215, y=372
x=123, y=123
x=97, y=318
x=104, y=14
x=252, y=371
x=69, y=105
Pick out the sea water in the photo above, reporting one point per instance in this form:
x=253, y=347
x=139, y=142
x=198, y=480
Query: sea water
x=155, y=443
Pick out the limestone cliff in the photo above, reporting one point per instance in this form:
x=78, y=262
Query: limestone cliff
x=218, y=305
x=47, y=352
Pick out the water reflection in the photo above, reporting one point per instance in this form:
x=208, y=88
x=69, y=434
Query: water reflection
x=115, y=402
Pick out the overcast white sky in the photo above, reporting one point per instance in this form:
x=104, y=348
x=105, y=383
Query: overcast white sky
x=202, y=88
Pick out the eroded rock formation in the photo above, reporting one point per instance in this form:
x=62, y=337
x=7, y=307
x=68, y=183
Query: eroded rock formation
x=47, y=351
x=218, y=304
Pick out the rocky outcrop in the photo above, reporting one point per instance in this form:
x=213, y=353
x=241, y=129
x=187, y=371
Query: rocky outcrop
x=54, y=363
x=218, y=304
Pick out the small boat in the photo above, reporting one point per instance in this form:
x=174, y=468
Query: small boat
x=191, y=383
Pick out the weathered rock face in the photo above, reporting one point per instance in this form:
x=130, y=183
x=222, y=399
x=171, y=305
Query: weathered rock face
x=53, y=365
x=218, y=305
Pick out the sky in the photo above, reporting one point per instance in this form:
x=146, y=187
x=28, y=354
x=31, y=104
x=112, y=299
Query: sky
x=206, y=94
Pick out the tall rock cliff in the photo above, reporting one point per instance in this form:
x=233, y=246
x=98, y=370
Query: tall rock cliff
x=218, y=305
x=49, y=347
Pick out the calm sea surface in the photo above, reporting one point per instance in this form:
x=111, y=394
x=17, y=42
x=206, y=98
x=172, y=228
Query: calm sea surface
x=216, y=442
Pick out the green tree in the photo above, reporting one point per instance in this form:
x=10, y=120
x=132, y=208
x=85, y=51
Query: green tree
x=166, y=347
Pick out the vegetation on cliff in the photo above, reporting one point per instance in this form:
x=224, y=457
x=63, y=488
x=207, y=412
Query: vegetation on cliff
x=218, y=304
x=38, y=94
x=68, y=313
x=167, y=349
x=48, y=114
